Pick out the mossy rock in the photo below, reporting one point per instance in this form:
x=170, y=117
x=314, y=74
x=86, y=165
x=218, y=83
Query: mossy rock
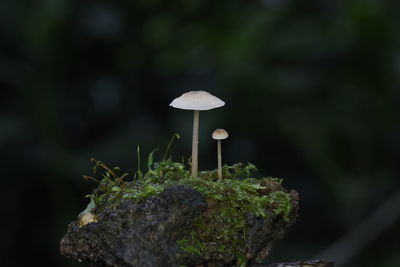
x=168, y=218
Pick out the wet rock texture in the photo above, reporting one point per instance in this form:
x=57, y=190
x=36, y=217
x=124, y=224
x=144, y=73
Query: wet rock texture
x=146, y=234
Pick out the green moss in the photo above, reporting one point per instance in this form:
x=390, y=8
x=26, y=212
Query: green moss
x=223, y=228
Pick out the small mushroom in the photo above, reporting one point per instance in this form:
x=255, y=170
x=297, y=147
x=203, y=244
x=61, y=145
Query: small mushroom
x=196, y=101
x=219, y=134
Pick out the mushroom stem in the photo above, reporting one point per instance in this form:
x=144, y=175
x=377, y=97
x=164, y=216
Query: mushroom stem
x=195, y=143
x=219, y=161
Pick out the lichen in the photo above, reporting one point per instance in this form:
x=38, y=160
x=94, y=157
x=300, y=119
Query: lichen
x=223, y=228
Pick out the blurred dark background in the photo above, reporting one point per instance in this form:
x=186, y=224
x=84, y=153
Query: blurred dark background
x=312, y=93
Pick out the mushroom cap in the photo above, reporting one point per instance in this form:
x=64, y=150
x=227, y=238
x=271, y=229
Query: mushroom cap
x=197, y=100
x=220, y=134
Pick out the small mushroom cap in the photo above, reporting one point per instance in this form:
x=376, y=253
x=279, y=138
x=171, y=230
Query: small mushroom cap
x=220, y=134
x=197, y=100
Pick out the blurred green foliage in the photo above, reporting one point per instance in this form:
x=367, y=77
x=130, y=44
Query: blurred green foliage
x=312, y=92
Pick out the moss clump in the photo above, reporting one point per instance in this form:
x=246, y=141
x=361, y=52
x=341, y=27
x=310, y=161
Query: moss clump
x=223, y=228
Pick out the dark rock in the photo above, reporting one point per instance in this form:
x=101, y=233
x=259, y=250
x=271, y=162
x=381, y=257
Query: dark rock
x=316, y=263
x=146, y=234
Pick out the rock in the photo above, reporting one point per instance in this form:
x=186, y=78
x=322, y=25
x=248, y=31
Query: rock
x=316, y=263
x=145, y=234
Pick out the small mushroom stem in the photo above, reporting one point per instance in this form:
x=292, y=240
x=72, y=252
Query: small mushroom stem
x=195, y=143
x=219, y=161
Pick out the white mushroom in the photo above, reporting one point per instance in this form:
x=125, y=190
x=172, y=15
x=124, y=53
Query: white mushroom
x=219, y=134
x=197, y=101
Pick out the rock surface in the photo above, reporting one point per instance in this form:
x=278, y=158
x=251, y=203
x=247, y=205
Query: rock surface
x=146, y=234
x=316, y=263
